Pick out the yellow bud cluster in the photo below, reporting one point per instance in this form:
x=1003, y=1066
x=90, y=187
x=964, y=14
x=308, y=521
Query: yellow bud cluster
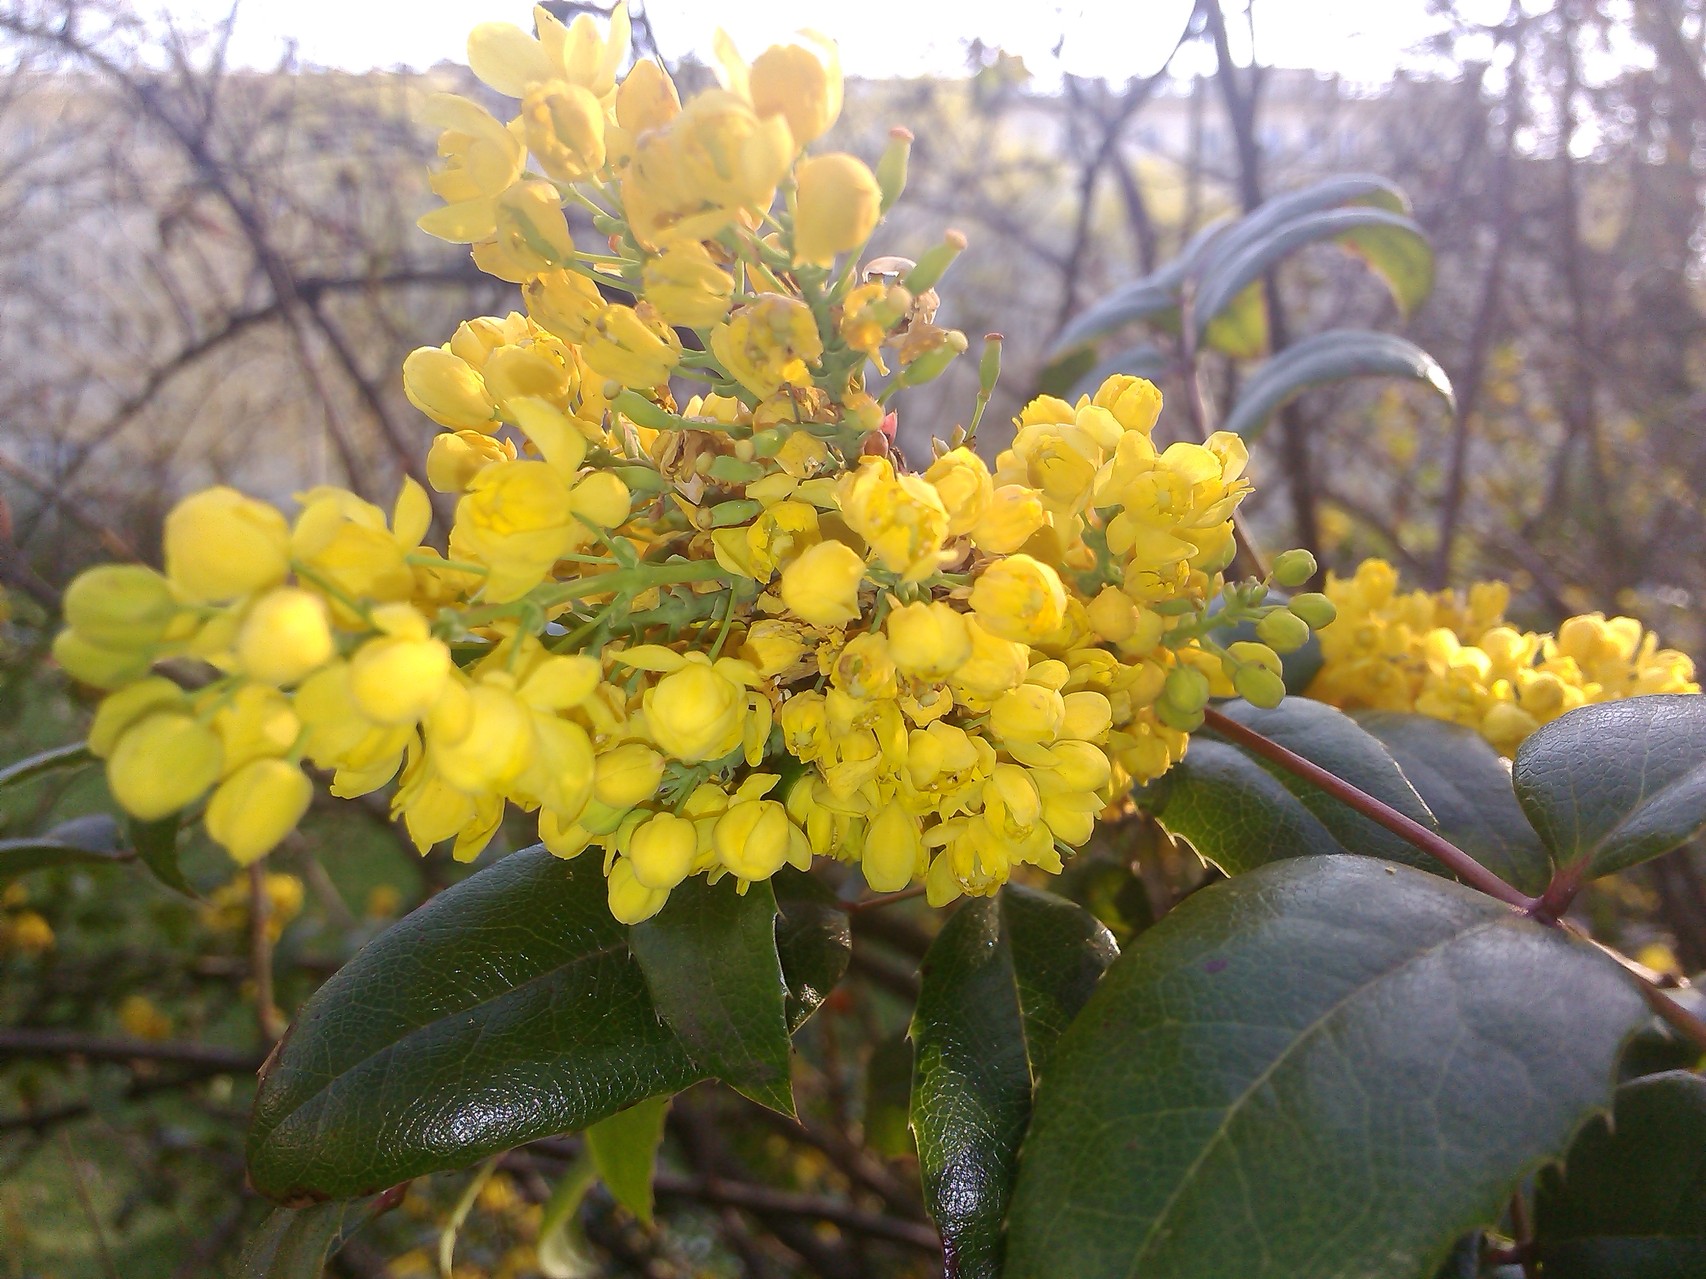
x=1454, y=656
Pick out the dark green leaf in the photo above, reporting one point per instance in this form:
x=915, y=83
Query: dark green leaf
x=156, y=843
x=297, y=1244
x=49, y=761
x=1224, y=281
x=507, y=1008
x=1467, y=786
x=1104, y=884
x=624, y=1149
x=92, y=839
x=1240, y=812
x=1333, y=356
x=1630, y=1200
x=713, y=970
x=1002, y=980
x=1611, y=785
x=1331, y=1067
x=813, y=940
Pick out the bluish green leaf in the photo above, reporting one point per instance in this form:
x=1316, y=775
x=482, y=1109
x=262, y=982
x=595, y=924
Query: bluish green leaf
x=1001, y=982
x=714, y=974
x=1615, y=784
x=1630, y=1200
x=48, y=761
x=1222, y=283
x=89, y=840
x=1145, y=360
x=156, y=843
x=1333, y=356
x=297, y=1243
x=1329, y=1068
x=1467, y=786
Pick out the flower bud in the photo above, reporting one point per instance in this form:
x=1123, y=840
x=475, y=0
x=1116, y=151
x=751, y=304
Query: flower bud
x=892, y=848
x=119, y=710
x=967, y=491
x=396, y=680
x=162, y=763
x=1015, y=513
x=256, y=807
x=286, y=635
x=695, y=713
x=1186, y=689
x=456, y=457
x=221, y=545
x=928, y=640
x=631, y=902
x=563, y=303
x=1020, y=599
x=1029, y=713
x=448, y=390
x=564, y=127
x=1293, y=567
x=662, y=850
x=1259, y=686
x=622, y=345
x=1283, y=630
x=646, y=98
x=686, y=286
x=822, y=585
x=1089, y=716
x=120, y=605
x=100, y=667
x=627, y=775
x=892, y=165
x=752, y=839
x=801, y=87
x=838, y=204
x=1135, y=402
x=1314, y=608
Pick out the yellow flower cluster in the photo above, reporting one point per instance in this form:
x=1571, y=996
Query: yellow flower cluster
x=708, y=636
x=1455, y=657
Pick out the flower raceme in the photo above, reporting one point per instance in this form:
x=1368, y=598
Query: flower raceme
x=693, y=610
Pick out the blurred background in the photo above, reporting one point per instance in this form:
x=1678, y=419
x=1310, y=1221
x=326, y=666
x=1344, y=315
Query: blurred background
x=209, y=271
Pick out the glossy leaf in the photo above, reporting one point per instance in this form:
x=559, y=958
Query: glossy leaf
x=712, y=967
x=1466, y=784
x=624, y=1149
x=1240, y=812
x=506, y=1008
x=1329, y=1067
x=156, y=843
x=89, y=840
x=813, y=939
x=1225, y=281
x=1334, y=356
x=1615, y=784
x=1630, y=1200
x=1002, y=980
x=48, y=761
x=297, y=1244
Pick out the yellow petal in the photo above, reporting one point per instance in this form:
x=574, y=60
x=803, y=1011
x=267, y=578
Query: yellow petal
x=507, y=58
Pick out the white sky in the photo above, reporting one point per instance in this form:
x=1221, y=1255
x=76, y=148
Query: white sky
x=1115, y=39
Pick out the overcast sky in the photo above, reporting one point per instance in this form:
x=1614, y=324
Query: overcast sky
x=1361, y=39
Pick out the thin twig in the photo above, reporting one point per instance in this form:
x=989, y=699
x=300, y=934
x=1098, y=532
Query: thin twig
x=260, y=955
x=56, y=1043
x=765, y=1201
x=1457, y=861
x=88, y=1204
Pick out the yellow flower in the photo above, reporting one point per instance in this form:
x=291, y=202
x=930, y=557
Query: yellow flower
x=893, y=849
x=221, y=545
x=753, y=838
x=995, y=665
x=689, y=180
x=1135, y=402
x=627, y=775
x=837, y=208
x=119, y=710
x=286, y=635
x=255, y=722
x=448, y=390
x=256, y=807
x=802, y=86
x=928, y=640
x=965, y=487
x=768, y=344
x=162, y=763
x=686, y=286
x=511, y=61
x=564, y=303
x=530, y=234
x=482, y=159
x=822, y=585
x=901, y=517
x=646, y=98
x=784, y=530
x=1019, y=598
x=515, y=519
x=631, y=902
x=396, y=678
x=456, y=457
x=140, y=1018
x=696, y=712
x=631, y=347
x=564, y=127
x=121, y=606
x=1015, y=513
x=662, y=850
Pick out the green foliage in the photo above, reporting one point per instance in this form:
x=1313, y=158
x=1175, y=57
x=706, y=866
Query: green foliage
x=1612, y=785
x=92, y=839
x=1332, y=1066
x=624, y=1149
x=1003, y=979
x=1333, y=356
x=296, y=1244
